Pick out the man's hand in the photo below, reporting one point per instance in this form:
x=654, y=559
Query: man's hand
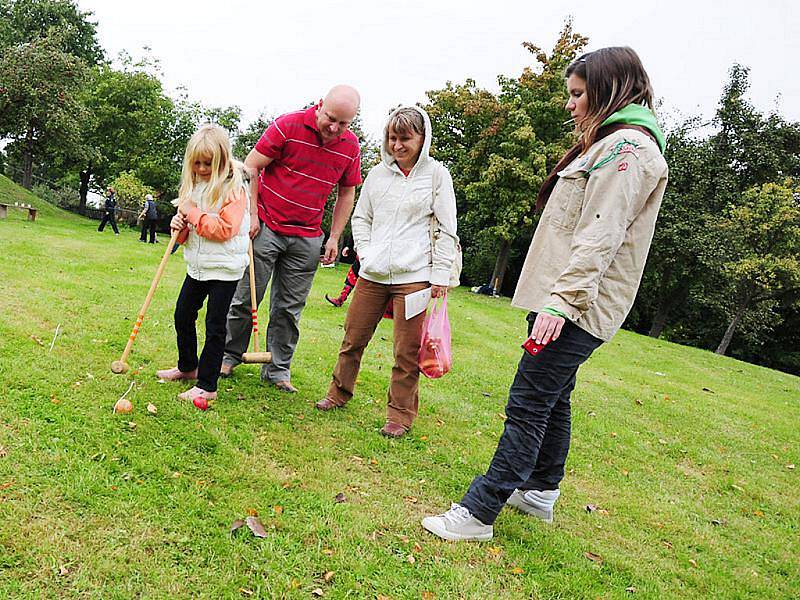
x=546, y=328
x=177, y=223
x=255, y=225
x=331, y=251
x=438, y=291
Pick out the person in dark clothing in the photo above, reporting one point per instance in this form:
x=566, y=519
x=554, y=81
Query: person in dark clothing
x=110, y=212
x=149, y=217
x=350, y=281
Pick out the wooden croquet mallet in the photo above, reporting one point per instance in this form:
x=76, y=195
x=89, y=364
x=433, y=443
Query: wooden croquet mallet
x=255, y=356
x=121, y=365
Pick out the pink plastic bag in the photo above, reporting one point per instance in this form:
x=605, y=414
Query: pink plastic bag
x=435, y=353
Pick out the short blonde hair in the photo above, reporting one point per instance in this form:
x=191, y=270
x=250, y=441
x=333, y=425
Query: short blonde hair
x=406, y=120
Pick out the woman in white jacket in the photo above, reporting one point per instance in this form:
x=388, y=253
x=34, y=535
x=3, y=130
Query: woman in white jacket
x=404, y=228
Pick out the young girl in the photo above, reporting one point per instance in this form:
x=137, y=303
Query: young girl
x=213, y=222
x=579, y=280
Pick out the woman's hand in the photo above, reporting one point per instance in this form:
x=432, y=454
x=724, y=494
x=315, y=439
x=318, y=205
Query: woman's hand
x=438, y=291
x=177, y=223
x=546, y=328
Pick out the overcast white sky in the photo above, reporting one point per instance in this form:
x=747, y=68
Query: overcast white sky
x=276, y=56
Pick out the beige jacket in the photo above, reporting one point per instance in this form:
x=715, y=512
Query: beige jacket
x=589, y=249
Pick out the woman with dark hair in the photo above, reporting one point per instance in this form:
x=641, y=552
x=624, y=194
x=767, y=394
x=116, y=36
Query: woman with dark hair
x=579, y=281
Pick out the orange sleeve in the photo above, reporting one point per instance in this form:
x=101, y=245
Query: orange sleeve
x=223, y=225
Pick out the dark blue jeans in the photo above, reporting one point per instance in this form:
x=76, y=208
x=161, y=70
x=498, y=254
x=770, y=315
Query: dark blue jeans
x=532, y=451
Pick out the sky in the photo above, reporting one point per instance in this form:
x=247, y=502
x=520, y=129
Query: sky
x=275, y=57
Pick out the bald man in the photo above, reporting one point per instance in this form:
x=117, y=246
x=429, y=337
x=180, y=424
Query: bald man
x=301, y=157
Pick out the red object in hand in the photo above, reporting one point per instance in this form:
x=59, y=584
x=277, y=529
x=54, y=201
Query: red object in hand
x=200, y=403
x=531, y=347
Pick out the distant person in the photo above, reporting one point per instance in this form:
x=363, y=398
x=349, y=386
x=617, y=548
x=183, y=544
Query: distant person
x=213, y=222
x=404, y=231
x=350, y=281
x=149, y=217
x=110, y=212
x=301, y=157
x=580, y=278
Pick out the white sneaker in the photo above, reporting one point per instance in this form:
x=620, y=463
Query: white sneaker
x=537, y=503
x=457, y=525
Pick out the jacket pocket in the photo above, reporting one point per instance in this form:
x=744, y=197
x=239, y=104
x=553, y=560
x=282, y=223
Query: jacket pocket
x=374, y=259
x=567, y=198
x=408, y=256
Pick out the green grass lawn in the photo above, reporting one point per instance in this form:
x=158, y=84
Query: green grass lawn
x=687, y=456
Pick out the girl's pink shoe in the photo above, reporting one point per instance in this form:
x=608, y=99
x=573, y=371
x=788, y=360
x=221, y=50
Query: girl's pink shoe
x=192, y=394
x=174, y=374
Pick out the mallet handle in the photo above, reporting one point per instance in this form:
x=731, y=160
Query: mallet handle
x=253, y=305
x=135, y=331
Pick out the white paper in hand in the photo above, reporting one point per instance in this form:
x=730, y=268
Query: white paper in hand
x=417, y=302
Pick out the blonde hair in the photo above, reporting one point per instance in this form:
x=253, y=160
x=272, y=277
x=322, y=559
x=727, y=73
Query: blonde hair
x=404, y=121
x=226, y=173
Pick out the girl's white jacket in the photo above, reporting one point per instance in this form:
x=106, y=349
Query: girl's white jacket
x=393, y=220
x=207, y=259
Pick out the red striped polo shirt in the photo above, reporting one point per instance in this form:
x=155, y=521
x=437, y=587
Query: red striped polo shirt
x=294, y=187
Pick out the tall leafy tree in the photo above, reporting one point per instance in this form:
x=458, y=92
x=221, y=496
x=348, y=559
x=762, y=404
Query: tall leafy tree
x=39, y=105
x=73, y=31
x=763, y=251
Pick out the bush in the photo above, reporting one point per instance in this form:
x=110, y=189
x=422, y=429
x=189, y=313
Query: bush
x=130, y=193
x=62, y=196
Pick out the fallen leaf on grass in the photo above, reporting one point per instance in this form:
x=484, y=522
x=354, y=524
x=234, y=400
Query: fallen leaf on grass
x=718, y=522
x=410, y=499
x=382, y=597
x=54, y=399
x=640, y=403
x=486, y=394
x=340, y=498
x=63, y=571
x=328, y=576
x=256, y=526
x=236, y=525
x=151, y=408
x=494, y=551
x=37, y=339
x=7, y=484
x=790, y=467
x=591, y=508
x=517, y=570
x=357, y=459
x=423, y=438
x=3, y=452
x=693, y=562
x=327, y=552
x=594, y=557
x=630, y=589
x=403, y=538
x=278, y=509
x=428, y=596
x=245, y=592
x=373, y=461
x=758, y=513
x=131, y=425
x=439, y=422
x=417, y=547
x=737, y=488
x=317, y=592
x=667, y=544
x=411, y=560
x=705, y=389
x=252, y=512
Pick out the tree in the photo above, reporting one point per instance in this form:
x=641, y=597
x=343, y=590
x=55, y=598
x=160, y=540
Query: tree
x=25, y=21
x=499, y=149
x=763, y=242
x=39, y=106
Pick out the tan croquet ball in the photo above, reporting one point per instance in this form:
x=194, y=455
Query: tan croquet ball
x=123, y=406
x=119, y=367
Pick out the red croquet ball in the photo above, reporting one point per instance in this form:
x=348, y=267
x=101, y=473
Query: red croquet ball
x=200, y=403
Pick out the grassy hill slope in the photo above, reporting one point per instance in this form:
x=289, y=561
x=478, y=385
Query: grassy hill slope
x=687, y=457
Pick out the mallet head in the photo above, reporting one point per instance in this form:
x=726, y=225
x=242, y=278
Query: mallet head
x=119, y=367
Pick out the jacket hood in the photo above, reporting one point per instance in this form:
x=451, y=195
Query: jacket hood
x=424, y=155
x=636, y=114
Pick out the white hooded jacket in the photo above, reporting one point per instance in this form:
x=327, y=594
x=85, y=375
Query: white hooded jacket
x=392, y=220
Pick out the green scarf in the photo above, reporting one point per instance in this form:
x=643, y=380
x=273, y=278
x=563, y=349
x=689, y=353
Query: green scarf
x=636, y=114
